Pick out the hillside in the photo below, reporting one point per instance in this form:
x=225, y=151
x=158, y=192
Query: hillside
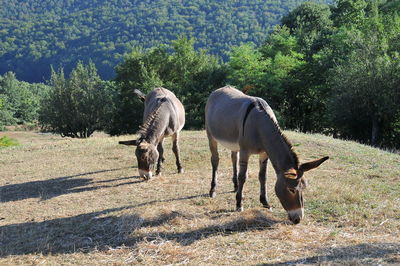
x=35, y=34
x=68, y=201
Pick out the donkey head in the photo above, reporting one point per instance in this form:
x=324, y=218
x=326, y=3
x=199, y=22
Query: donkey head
x=289, y=189
x=147, y=156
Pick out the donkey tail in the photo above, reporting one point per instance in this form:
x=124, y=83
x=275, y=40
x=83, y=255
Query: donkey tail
x=246, y=88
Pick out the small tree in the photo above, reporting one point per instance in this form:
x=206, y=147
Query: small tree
x=266, y=70
x=143, y=70
x=247, y=66
x=19, y=101
x=193, y=75
x=77, y=106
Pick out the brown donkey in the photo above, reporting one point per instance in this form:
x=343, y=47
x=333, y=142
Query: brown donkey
x=164, y=115
x=247, y=125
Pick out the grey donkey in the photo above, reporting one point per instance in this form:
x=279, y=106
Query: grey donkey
x=164, y=116
x=247, y=125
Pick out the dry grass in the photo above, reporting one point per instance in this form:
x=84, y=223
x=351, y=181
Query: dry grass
x=67, y=201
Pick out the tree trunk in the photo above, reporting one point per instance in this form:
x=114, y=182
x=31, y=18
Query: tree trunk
x=375, y=131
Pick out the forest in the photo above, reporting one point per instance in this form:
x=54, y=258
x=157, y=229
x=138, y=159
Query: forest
x=330, y=69
x=37, y=34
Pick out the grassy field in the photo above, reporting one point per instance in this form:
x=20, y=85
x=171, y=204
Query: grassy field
x=69, y=201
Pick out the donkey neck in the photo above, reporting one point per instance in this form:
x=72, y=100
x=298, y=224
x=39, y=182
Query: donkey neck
x=277, y=146
x=154, y=127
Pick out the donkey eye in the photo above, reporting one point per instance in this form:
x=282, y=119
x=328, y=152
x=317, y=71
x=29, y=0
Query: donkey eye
x=292, y=190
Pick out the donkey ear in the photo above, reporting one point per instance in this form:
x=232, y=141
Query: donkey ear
x=313, y=164
x=129, y=142
x=140, y=95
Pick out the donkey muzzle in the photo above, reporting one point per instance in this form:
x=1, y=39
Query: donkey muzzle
x=296, y=215
x=145, y=174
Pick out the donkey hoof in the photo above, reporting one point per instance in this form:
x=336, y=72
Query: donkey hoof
x=267, y=206
x=181, y=171
x=239, y=209
x=213, y=194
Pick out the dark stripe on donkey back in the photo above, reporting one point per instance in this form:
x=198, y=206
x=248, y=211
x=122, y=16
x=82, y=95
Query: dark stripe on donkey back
x=249, y=108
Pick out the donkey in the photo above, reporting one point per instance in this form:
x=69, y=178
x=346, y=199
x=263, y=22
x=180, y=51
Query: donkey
x=164, y=116
x=247, y=125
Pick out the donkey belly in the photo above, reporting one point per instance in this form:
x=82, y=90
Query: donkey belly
x=225, y=112
x=224, y=131
x=233, y=146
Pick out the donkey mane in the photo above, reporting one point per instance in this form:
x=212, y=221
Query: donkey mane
x=261, y=106
x=151, y=120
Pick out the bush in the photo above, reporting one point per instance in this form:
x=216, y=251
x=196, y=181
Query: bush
x=19, y=101
x=77, y=106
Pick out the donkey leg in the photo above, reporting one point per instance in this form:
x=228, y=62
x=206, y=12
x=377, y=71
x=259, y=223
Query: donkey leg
x=161, y=158
x=175, y=149
x=234, y=157
x=243, y=160
x=262, y=177
x=214, y=162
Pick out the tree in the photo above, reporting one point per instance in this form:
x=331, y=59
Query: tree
x=365, y=84
x=349, y=12
x=247, y=67
x=19, y=101
x=310, y=23
x=365, y=96
x=7, y=91
x=141, y=69
x=190, y=74
x=193, y=75
x=79, y=105
x=266, y=70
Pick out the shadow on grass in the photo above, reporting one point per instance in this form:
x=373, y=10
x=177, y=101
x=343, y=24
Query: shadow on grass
x=259, y=221
x=50, y=188
x=368, y=253
x=103, y=230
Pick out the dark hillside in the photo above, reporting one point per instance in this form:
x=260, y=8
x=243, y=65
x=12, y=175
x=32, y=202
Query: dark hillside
x=35, y=34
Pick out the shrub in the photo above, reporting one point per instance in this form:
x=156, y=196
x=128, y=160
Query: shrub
x=77, y=106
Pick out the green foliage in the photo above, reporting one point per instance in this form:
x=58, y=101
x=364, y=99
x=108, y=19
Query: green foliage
x=330, y=70
x=367, y=80
x=390, y=6
x=265, y=70
x=79, y=105
x=367, y=84
x=349, y=85
x=35, y=34
x=350, y=12
x=305, y=92
x=190, y=74
x=246, y=66
x=19, y=101
x=7, y=142
x=283, y=53
x=309, y=23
